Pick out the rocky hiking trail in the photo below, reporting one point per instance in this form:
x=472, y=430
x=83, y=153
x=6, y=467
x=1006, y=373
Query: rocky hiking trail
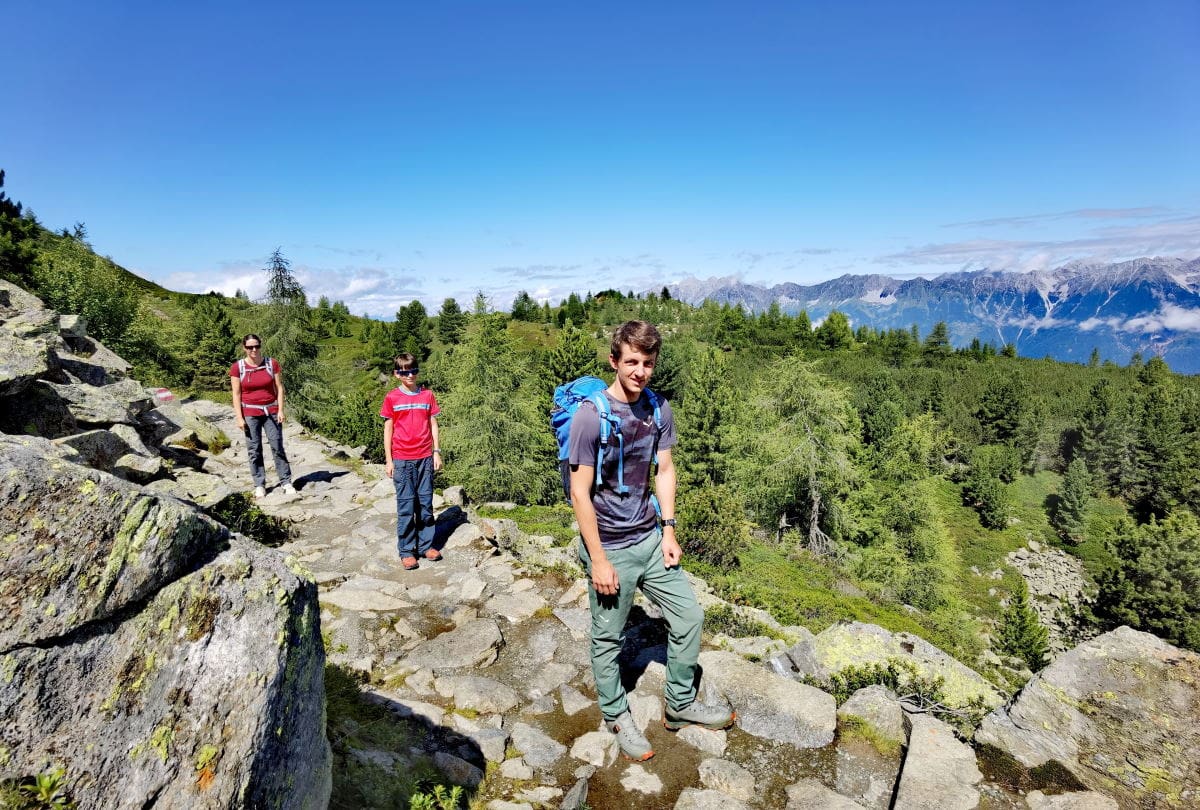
x=483, y=657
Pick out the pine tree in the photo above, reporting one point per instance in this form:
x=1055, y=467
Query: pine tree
x=1020, y=633
x=1154, y=583
x=574, y=355
x=17, y=230
x=451, y=321
x=834, y=332
x=214, y=345
x=287, y=337
x=524, y=308
x=410, y=330
x=493, y=426
x=1106, y=437
x=937, y=344
x=1071, y=513
x=703, y=417
x=1001, y=409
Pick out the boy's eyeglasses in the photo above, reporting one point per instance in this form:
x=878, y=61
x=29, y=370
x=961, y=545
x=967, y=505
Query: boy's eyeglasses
x=406, y=372
x=251, y=348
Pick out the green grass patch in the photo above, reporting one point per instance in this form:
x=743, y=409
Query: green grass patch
x=241, y=514
x=725, y=619
x=555, y=521
x=800, y=588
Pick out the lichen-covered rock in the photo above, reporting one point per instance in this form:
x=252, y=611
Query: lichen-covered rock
x=90, y=361
x=95, y=405
x=80, y=546
x=153, y=656
x=857, y=645
x=1121, y=712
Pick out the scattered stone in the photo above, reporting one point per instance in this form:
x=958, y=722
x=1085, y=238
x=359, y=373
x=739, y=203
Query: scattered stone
x=871, y=741
x=474, y=644
x=1089, y=800
x=704, y=739
x=573, y=701
x=695, y=799
x=459, y=771
x=577, y=620
x=637, y=779
x=501, y=804
x=477, y=693
x=516, y=769
x=725, y=776
x=539, y=750
x=809, y=794
x=576, y=798
x=597, y=748
x=940, y=772
x=541, y=795
x=768, y=705
x=516, y=607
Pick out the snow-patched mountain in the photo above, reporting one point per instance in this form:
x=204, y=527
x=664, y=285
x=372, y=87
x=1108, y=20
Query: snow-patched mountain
x=1149, y=305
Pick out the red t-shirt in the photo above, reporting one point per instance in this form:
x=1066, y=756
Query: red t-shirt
x=258, y=386
x=412, y=437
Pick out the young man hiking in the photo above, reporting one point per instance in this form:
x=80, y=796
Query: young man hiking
x=410, y=440
x=623, y=545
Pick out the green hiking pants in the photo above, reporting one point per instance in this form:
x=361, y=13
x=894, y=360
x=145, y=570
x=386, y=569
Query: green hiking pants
x=641, y=566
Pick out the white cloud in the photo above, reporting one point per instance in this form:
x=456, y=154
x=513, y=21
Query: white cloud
x=1171, y=317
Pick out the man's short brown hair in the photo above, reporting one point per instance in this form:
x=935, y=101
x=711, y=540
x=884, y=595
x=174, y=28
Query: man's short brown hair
x=405, y=361
x=640, y=336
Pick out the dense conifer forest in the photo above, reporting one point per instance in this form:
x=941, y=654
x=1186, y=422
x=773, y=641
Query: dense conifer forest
x=828, y=471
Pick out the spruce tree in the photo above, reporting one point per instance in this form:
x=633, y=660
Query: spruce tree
x=450, y=322
x=834, y=332
x=214, y=345
x=493, y=425
x=1020, y=633
x=1073, y=501
x=703, y=415
x=1155, y=579
x=574, y=355
x=410, y=330
x=287, y=337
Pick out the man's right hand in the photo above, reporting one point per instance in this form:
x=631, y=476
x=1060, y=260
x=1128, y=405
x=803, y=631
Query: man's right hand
x=604, y=578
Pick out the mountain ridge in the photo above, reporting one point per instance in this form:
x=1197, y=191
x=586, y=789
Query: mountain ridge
x=1148, y=305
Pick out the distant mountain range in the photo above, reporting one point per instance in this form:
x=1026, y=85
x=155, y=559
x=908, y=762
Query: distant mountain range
x=1147, y=305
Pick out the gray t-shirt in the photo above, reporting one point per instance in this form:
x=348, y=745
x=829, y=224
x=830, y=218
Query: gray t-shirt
x=623, y=519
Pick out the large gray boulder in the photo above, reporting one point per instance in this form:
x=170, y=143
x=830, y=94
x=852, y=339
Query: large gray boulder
x=27, y=332
x=91, y=361
x=1121, y=712
x=940, y=772
x=857, y=645
x=768, y=705
x=871, y=742
x=158, y=659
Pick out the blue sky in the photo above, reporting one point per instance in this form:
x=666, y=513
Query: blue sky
x=401, y=150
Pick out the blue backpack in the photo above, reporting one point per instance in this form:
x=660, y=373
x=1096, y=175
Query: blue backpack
x=567, y=399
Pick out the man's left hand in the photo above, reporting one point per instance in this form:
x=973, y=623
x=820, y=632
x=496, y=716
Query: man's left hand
x=670, y=548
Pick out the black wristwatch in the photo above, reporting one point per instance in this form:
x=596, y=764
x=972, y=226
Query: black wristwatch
x=665, y=522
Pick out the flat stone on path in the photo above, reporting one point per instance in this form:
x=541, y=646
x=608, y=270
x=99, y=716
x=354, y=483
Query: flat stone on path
x=516, y=607
x=809, y=794
x=597, y=748
x=538, y=749
x=476, y=693
x=704, y=739
x=474, y=644
x=727, y=777
x=637, y=779
x=694, y=799
x=940, y=772
x=768, y=705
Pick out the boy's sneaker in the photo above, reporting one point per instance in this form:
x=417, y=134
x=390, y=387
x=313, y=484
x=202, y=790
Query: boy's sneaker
x=288, y=489
x=260, y=492
x=634, y=744
x=698, y=714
